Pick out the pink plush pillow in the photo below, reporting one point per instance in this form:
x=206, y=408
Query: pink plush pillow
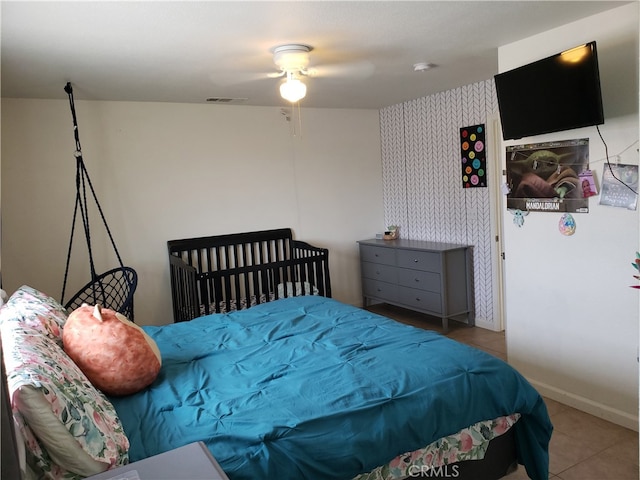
x=116, y=355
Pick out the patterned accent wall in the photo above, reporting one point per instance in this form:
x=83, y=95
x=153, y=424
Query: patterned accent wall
x=422, y=179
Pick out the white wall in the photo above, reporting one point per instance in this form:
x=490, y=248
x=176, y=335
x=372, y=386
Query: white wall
x=571, y=318
x=168, y=171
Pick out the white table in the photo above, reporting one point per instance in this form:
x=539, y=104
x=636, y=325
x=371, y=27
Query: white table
x=191, y=462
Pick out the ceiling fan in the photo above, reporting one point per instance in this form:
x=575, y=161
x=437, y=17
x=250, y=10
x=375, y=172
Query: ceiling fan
x=293, y=61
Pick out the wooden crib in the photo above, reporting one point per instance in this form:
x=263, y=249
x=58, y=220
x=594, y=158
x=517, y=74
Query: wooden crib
x=236, y=271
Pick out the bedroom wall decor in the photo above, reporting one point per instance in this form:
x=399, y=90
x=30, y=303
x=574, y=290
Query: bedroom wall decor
x=620, y=186
x=567, y=224
x=588, y=183
x=545, y=176
x=518, y=216
x=474, y=157
x=636, y=265
x=420, y=145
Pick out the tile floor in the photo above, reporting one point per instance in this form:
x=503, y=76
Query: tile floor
x=583, y=447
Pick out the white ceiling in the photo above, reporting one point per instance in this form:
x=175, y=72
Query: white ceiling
x=189, y=51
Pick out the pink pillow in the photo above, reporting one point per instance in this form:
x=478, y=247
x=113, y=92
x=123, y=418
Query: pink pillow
x=115, y=354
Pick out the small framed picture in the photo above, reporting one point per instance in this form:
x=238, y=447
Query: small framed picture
x=620, y=186
x=587, y=184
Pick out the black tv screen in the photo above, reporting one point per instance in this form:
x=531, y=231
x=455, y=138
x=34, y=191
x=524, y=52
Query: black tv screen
x=557, y=93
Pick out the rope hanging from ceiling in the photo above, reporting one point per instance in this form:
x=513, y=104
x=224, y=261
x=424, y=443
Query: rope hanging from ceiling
x=113, y=289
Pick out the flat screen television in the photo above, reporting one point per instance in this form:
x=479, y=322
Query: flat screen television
x=557, y=93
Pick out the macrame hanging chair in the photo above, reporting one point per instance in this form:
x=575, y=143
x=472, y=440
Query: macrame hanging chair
x=113, y=289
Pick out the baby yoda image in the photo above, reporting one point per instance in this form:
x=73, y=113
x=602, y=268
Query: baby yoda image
x=518, y=216
x=546, y=176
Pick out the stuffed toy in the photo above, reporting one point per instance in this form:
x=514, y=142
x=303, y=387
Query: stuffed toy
x=115, y=354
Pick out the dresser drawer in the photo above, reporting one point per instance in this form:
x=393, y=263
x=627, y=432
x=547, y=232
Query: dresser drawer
x=379, y=271
x=420, y=300
x=386, y=256
x=426, y=261
x=381, y=290
x=420, y=280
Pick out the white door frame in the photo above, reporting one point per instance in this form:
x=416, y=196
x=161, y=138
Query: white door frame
x=497, y=178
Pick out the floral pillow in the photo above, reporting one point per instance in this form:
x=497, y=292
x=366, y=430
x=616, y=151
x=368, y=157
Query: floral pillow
x=37, y=310
x=70, y=428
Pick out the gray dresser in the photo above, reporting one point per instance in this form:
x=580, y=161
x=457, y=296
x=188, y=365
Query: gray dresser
x=428, y=277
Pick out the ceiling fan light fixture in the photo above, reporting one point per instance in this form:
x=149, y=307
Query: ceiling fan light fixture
x=293, y=89
x=292, y=60
x=292, y=57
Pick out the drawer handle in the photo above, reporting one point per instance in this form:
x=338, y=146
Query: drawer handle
x=417, y=280
x=417, y=299
x=415, y=260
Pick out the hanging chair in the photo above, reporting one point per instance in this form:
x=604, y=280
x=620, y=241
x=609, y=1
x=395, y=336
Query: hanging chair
x=113, y=289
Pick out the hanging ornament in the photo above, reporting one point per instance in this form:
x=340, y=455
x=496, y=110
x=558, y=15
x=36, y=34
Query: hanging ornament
x=518, y=216
x=567, y=224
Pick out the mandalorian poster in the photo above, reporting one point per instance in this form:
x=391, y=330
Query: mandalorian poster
x=545, y=177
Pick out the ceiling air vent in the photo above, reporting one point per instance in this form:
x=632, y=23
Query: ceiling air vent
x=226, y=100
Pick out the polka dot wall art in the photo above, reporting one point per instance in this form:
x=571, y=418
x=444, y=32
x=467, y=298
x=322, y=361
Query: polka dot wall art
x=474, y=157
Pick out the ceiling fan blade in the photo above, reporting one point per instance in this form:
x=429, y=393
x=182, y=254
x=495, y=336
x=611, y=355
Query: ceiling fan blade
x=239, y=66
x=361, y=69
x=228, y=79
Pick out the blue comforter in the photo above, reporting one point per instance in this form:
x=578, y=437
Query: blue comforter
x=310, y=388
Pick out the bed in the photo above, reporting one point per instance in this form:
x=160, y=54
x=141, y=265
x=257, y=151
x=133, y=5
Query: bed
x=292, y=384
x=310, y=388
